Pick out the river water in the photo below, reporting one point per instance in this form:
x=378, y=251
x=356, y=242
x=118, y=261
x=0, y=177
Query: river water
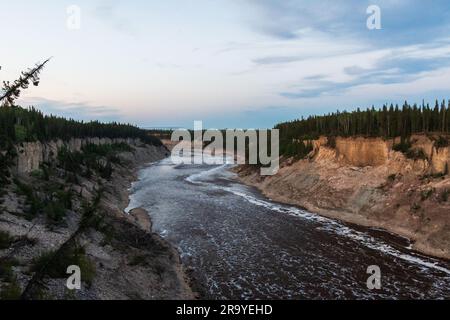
x=241, y=245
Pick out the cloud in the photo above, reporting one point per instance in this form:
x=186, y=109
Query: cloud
x=397, y=65
x=403, y=22
x=276, y=59
x=74, y=110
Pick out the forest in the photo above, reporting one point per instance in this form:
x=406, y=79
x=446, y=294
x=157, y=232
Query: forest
x=23, y=125
x=386, y=122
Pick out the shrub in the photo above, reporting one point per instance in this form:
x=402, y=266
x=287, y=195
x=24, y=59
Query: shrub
x=12, y=291
x=441, y=142
x=296, y=148
x=444, y=195
x=6, y=272
x=416, y=154
x=55, y=212
x=38, y=174
x=5, y=240
x=425, y=194
x=70, y=161
x=138, y=260
x=54, y=264
x=402, y=147
x=331, y=142
x=392, y=177
x=20, y=133
x=35, y=204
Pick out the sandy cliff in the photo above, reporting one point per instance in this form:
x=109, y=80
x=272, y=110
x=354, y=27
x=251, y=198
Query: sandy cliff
x=364, y=181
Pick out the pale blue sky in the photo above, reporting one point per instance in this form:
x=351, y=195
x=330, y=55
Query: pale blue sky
x=230, y=63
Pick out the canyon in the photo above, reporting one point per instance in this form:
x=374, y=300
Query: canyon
x=366, y=182
x=128, y=260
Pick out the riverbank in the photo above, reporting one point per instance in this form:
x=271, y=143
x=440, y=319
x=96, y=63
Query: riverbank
x=119, y=256
x=398, y=195
x=155, y=270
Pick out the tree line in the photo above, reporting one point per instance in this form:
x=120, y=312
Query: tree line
x=387, y=122
x=25, y=125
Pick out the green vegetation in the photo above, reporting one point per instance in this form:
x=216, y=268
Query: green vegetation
x=92, y=159
x=50, y=199
x=11, y=91
x=416, y=154
x=54, y=197
x=331, y=142
x=403, y=146
x=444, y=195
x=54, y=264
x=392, y=177
x=297, y=149
x=138, y=260
x=19, y=125
x=6, y=265
x=425, y=194
x=387, y=122
x=5, y=240
x=7, y=154
x=11, y=291
x=441, y=142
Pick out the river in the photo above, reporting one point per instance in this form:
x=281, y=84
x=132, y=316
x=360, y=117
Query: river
x=241, y=245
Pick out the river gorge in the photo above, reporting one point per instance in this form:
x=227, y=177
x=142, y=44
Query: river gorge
x=239, y=244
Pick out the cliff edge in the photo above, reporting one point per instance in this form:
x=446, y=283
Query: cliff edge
x=366, y=181
x=64, y=206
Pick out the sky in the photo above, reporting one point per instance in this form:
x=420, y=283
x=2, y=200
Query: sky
x=229, y=63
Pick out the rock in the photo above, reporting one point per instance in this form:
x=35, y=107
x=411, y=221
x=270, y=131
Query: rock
x=141, y=218
x=30, y=155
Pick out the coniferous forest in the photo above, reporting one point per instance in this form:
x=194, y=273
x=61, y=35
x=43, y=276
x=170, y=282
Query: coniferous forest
x=22, y=125
x=387, y=122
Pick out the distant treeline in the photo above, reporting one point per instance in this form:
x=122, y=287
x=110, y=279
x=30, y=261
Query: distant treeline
x=21, y=125
x=387, y=122
x=161, y=133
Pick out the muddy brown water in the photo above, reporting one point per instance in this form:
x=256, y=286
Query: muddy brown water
x=241, y=245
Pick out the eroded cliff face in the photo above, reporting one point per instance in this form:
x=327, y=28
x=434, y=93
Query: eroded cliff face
x=373, y=152
x=30, y=155
x=365, y=181
x=129, y=260
x=363, y=152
